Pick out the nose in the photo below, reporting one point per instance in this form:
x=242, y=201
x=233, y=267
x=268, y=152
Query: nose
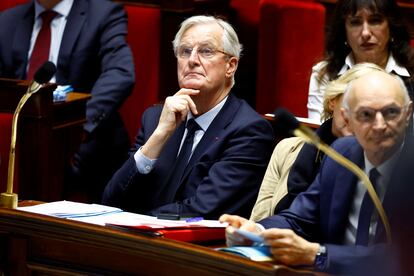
x=379, y=122
x=194, y=59
x=366, y=31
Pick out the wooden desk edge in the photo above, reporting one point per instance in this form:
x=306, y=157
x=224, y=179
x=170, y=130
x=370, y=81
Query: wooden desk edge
x=271, y=118
x=197, y=256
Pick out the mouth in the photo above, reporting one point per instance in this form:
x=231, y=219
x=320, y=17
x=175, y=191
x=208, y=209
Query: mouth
x=367, y=45
x=380, y=138
x=193, y=74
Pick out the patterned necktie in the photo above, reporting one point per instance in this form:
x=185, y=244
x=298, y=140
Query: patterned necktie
x=367, y=209
x=40, y=53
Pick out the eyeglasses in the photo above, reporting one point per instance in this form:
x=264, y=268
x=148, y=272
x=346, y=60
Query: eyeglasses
x=205, y=52
x=390, y=114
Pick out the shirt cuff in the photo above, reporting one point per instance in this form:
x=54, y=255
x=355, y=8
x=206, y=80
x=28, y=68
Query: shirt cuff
x=143, y=163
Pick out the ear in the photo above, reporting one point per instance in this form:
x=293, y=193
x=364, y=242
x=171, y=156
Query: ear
x=231, y=66
x=331, y=104
x=345, y=115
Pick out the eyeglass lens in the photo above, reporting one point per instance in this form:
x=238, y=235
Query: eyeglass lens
x=388, y=113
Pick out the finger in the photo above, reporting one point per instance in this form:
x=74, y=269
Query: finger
x=177, y=105
x=192, y=106
x=279, y=242
x=233, y=220
x=233, y=238
x=277, y=233
x=190, y=103
x=187, y=91
x=180, y=102
x=223, y=218
x=281, y=255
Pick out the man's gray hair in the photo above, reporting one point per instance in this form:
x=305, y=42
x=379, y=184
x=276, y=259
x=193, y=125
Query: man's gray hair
x=403, y=88
x=230, y=41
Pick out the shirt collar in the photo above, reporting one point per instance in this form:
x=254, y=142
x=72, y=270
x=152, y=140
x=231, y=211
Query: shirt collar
x=391, y=66
x=205, y=119
x=62, y=8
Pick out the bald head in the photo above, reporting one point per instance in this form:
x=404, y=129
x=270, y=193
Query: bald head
x=375, y=85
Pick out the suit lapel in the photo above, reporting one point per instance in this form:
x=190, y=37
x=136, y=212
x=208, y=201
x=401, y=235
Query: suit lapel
x=76, y=20
x=212, y=134
x=21, y=42
x=345, y=183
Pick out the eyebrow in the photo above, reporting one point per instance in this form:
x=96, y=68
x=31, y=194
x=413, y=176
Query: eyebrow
x=204, y=43
x=386, y=106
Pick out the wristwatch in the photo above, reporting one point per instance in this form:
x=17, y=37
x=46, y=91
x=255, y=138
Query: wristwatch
x=321, y=258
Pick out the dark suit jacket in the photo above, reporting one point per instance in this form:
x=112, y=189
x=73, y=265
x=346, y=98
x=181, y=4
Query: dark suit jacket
x=321, y=213
x=94, y=57
x=223, y=175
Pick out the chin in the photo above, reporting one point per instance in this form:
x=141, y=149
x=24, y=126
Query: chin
x=387, y=145
x=191, y=85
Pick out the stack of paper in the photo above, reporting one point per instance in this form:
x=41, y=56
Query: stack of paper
x=69, y=209
x=196, y=231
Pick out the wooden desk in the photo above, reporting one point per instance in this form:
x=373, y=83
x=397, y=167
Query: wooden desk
x=36, y=244
x=48, y=134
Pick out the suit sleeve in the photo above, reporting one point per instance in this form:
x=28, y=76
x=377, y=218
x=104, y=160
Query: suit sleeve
x=117, y=75
x=117, y=192
x=302, y=216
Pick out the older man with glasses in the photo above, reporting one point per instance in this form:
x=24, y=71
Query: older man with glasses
x=333, y=226
x=204, y=152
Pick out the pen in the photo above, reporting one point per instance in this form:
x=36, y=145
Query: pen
x=194, y=219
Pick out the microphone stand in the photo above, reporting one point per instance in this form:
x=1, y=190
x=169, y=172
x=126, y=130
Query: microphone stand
x=9, y=199
x=312, y=138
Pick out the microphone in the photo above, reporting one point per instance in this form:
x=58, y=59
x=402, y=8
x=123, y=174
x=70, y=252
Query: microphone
x=42, y=76
x=286, y=122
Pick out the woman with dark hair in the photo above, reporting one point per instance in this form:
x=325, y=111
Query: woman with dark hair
x=362, y=31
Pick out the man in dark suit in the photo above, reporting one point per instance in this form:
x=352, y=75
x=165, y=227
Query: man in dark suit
x=89, y=49
x=230, y=143
x=332, y=230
